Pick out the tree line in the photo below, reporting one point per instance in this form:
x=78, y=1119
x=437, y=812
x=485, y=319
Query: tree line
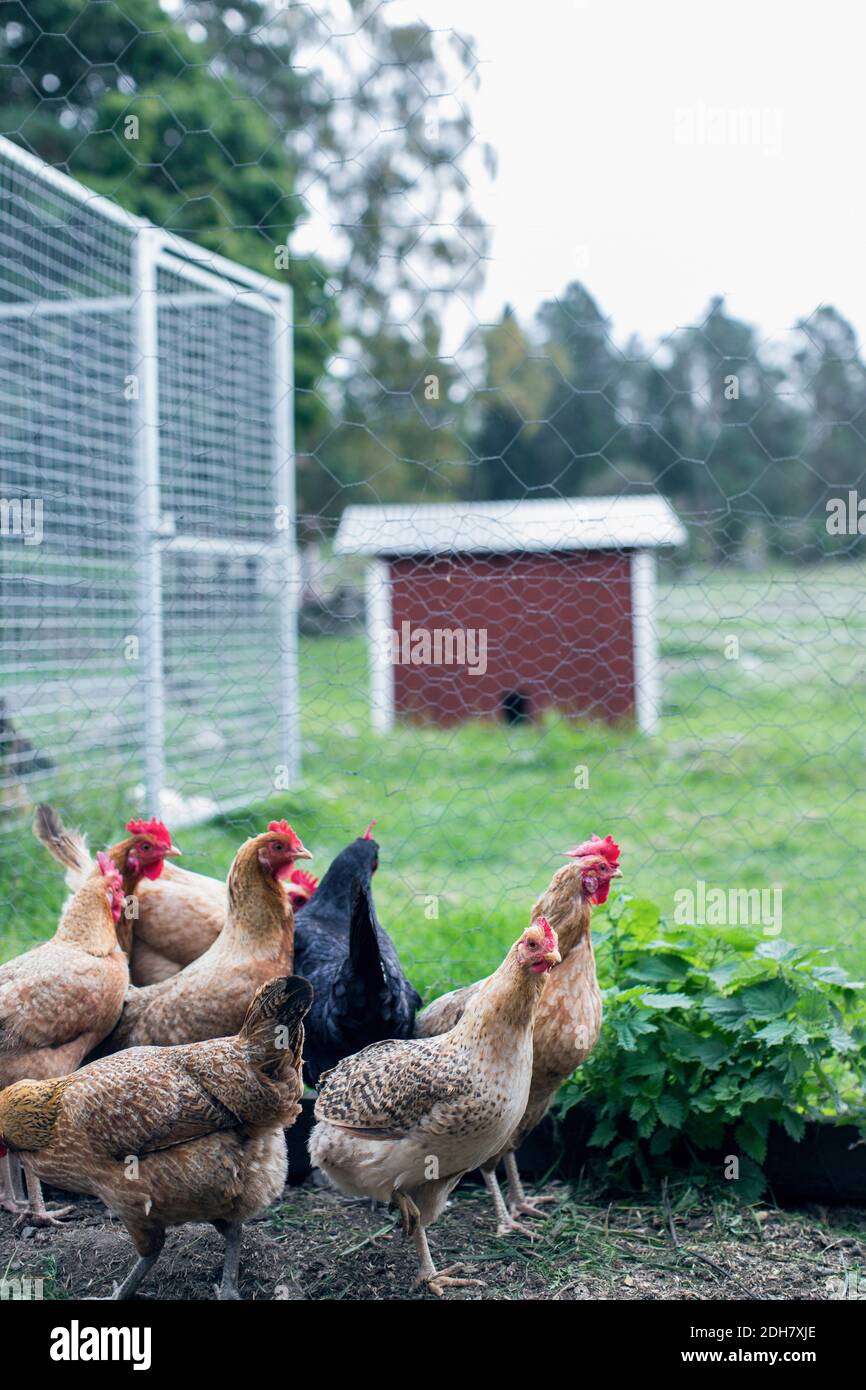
x=234, y=121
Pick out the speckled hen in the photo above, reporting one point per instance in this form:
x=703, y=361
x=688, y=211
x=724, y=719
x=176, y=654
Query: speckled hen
x=569, y=1017
x=173, y=1134
x=60, y=999
x=209, y=999
x=402, y=1121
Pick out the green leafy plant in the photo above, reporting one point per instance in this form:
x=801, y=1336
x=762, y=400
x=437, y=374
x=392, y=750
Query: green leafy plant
x=711, y=1034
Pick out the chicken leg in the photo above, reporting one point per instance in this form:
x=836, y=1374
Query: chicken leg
x=436, y=1281
x=427, y=1274
x=231, y=1232
x=518, y=1202
x=35, y=1212
x=505, y=1221
x=11, y=1192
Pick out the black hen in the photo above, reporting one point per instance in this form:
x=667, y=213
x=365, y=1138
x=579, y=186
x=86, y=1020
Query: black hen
x=361, y=995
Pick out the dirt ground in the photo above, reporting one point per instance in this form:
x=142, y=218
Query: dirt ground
x=317, y=1245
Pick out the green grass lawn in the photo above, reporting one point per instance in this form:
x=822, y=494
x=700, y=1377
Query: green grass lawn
x=757, y=778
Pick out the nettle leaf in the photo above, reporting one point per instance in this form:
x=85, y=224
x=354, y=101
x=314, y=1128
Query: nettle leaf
x=743, y=939
x=751, y=1185
x=641, y=916
x=794, y=1124
x=662, y=1141
x=777, y=1032
x=766, y=1086
x=835, y=975
x=667, y=1001
x=781, y=950
x=660, y=969
x=670, y=1111
x=729, y=971
x=751, y=1141
x=841, y=1040
x=768, y=1000
x=727, y=1010
x=646, y=1124
x=602, y=1135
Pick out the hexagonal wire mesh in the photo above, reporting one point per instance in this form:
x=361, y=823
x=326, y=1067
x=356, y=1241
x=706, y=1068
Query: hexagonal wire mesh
x=540, y=659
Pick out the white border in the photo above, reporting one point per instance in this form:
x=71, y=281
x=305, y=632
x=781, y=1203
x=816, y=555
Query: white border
x=647, y=672
x=378, y=588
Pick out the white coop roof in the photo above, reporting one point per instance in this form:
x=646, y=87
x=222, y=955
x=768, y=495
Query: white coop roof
x=568, y=523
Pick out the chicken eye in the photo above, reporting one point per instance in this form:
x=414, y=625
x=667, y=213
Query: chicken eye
x=145, y=844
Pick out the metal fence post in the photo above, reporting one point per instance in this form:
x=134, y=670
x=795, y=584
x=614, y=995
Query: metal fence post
x=147, y=541
x=288, y=568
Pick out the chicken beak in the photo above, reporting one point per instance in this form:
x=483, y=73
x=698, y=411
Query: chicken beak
x=553, y=957
x=173, y=853
x=301, y=853
x=616, y=873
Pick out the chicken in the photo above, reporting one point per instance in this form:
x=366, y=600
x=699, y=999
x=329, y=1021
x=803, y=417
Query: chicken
x=180, y=913
x=402, y=1121
x=569, y=1016
x=62, y=998
x=362, y=995
x=209, y=999
x=169, y=1135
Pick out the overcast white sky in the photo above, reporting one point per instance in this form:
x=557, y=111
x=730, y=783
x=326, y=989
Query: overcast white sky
x=607, y=116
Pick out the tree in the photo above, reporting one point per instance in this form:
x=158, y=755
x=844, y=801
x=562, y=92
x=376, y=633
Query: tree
x=249, y=117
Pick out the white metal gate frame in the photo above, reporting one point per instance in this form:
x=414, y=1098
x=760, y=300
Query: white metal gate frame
x=211, y=274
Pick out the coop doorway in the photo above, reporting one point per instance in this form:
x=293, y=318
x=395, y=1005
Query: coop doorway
x=514, y=707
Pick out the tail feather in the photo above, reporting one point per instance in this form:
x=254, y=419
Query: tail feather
x=364, y=953
x=274, y=1025
x=68, y=847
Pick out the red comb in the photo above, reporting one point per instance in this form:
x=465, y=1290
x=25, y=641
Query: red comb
x=549, y=938
x=368, y=835
x=304, y=880
x=154, y=828
x=282, y=827
x=107, y=868
x=606, y=848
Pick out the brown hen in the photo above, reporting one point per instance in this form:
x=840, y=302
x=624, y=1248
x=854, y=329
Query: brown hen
x=169, y=1135
x=179, y=914
x=59, y=1000
x=209, y=999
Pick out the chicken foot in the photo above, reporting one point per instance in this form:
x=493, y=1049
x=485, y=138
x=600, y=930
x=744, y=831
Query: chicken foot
x=11, y=1192
x=436, y=1280
x=506, y=1224
x=35, y=1212
x=427, y=1273
x=518, y=1202
x=231, y=1233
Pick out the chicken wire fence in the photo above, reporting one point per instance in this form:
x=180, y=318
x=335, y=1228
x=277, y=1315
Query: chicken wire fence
x=148, y=649
x=648, y=669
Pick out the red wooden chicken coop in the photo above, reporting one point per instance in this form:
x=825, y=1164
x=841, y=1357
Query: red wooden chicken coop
x=503, y=609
